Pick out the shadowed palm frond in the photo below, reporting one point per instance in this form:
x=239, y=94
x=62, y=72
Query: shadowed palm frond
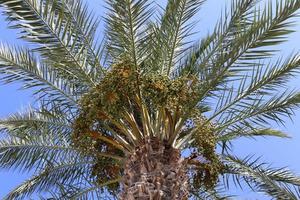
x=34, y=138
x=40, y=141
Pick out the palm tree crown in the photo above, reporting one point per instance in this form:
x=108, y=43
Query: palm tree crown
x=142, y=95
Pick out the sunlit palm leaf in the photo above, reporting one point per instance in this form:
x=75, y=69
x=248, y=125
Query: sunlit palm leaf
x=17, y=64
x=234, y=20
x=278, y=183
x=35, y=122
x=125, y=29
x=87, y=192
x=33, y=151
x=227, y=63
x=236, y=95
x=261, y=84
x=60, y=43
x=250, y=132
x=170, y=34
x=51, y=176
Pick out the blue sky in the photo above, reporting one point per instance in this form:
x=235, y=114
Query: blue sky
x=275, y=151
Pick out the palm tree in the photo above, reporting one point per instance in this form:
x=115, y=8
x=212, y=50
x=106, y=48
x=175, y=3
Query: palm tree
x=114, y=116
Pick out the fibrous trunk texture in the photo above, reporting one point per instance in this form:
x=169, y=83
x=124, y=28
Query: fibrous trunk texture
x=154, y=171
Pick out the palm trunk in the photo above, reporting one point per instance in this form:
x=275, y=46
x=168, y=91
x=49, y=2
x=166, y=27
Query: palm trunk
x=154, y=171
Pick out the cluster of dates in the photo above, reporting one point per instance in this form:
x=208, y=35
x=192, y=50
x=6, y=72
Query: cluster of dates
x=123, y=90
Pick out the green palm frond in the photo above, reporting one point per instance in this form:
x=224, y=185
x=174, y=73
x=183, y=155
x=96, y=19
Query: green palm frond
x=262, y=112
x=40, y=140
x=35, y=122
x=278, y=183
x=261, y=83
x=19, y=64
x=60, y=42
x=125, y=29
x=245, y=119
x=236, y=133
x=202, y=55
x=268, y=28
x=52, y=175
x=34, y=151
x=67, y=192
x=87, y=192
x=239, y=54
x=218, y=193
x=86, y=24
x=145, y=84
x=172, y=32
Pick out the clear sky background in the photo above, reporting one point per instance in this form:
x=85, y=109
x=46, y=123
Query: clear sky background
x=278, y=152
